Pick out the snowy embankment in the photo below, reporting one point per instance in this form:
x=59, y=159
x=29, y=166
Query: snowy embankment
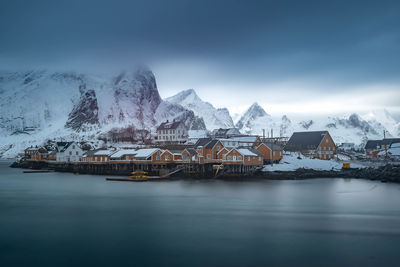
x=294, y=161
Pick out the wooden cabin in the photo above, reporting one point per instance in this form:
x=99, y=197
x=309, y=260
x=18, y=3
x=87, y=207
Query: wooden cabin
x=313, y=144
x=270, y=152
x=245, y=156
x=189, y=155
x=374, y=147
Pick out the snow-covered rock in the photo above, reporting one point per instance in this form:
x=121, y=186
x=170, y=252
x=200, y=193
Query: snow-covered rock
x=40, y=105
x=294, y=161
x=213, y=118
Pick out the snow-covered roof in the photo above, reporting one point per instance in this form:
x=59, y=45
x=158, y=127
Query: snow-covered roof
x=123, y=152
x=145, y=152
x=104, y=152
x=246, y=152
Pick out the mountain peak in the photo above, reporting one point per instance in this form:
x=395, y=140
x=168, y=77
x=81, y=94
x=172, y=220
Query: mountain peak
x=256, y=110
x=214, y=118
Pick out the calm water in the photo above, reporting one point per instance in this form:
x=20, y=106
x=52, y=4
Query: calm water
x=61, y=219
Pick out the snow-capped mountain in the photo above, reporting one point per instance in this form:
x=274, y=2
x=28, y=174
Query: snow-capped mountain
x=347, y=128
x=38, y=105
x=213, y=118
x=254, y=119
x=378, y=118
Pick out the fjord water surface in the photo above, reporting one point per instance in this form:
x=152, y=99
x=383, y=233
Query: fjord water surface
x=62, y=219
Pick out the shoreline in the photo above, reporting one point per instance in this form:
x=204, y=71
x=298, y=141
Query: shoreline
x=386, y=173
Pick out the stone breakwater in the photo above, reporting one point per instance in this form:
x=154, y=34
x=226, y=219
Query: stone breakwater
x=387, y=173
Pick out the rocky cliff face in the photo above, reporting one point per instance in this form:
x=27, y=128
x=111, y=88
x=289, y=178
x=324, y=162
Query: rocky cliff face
x=84, y=115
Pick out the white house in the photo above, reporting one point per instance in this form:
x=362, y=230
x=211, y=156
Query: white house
x=68, y=152
x=172, y=132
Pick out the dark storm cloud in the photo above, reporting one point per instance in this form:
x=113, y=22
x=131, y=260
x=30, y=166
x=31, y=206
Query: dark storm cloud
x=335, y=41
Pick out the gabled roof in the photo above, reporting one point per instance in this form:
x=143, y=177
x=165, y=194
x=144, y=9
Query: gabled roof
x=305, y=140
x=247, y=152
x=271, y=146
x=145, y=153
x=255, y=151
x=211, y=144
x=168, y=125
x=202, y=142
x=372, y=144
x=191, y=151
x=67, y=145
x=122, y=153
x=104, y=152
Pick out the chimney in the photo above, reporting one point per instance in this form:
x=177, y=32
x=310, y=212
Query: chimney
x=167, y=121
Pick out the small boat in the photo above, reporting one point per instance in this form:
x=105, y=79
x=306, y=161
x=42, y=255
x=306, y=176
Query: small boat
x=139, y=175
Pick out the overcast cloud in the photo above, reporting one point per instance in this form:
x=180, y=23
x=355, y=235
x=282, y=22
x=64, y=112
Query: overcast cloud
x=290, y=56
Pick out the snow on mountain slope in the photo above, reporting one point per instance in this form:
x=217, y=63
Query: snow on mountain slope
x=348, y=128
x=385, y=119
x=213, y=118
x=38, y=105
x=255, y=119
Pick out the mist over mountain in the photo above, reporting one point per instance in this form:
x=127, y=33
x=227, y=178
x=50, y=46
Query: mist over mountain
x=39, y=105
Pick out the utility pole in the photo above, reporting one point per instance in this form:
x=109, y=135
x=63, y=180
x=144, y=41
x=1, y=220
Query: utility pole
x=384, y=137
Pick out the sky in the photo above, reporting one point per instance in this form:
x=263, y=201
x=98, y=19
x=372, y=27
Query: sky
x=292, y=57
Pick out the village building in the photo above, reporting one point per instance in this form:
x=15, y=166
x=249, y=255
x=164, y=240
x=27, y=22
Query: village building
x=225, y=133
x=374, y=147
x=272, y=153
x=52, y=155
x=123, y=155
x=243, y=156
x=148, y=154
x=40, y=154
x=172, y=132
x=69, y=152
x=241, y=141
x=30, y=151
x=207, y=149
x=313, y=144
x=190, y=155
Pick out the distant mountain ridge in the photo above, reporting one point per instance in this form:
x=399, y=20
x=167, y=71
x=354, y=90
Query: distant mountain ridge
x=37, y=105
x=40, y=105
x=349, y=128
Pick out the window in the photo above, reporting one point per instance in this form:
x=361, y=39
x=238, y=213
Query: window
x=218, y=148
x=70, y=153
x=248, y=158
x=234, y=157
x=324, y=147
x=239, y=157
x=76, y=153
x=326, y=141
x=274, y=153
x=208, y=156
x=166, y=157
x=73, y=146
x=229, y=158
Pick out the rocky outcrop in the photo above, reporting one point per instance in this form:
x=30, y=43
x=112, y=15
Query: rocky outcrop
x=85, y=113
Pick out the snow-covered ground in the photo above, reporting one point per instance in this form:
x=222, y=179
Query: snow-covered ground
x=292, y=162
